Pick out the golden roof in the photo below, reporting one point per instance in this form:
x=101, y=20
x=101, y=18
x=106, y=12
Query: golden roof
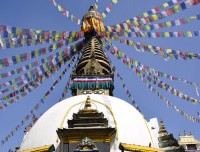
x=137, y=148
x=184, y=140
x=46, y=148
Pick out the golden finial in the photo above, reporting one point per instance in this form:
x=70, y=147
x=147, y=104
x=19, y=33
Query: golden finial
x=88, y=107
x=87, y=103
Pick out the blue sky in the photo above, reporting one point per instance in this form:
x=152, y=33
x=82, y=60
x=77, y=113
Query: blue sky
x=37, y=14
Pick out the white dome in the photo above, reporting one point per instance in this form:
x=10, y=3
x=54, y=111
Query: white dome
x=132, y=128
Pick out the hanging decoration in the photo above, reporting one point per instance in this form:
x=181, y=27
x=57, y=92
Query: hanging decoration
x=173, y=23
x=169, y=104
x=131, y=62
x=120, y=56
x=124, y=27
x=69, y=82
x=173, y=34
x=38, y=71
x=156, y=50
x=148, y=69
x=37, y=106
x=156, y=9
x=9, y=61
x=51, y=60
x=65, y=12
x=109, y=8
x=152, y=16
x=125, y=88
x=25, y=90
x=96, y=4
x=17, y=32
x=161, y=84
x=40, y=38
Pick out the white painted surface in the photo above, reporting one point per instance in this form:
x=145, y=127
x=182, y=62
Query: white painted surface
x=132, y=128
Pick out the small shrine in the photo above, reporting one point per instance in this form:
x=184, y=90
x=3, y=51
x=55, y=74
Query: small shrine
x=189, y=143
x=167, y=142
x=86, y=145
x=87, y=122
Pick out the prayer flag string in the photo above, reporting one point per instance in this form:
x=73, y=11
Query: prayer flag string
x=96, y=4
x=150, y=70
x=25, y=90
x=36, y=107
x=189, y=117
x=10, y=38
x=169, y=104
x=9, y=61
x=161, y=84
x=65, y=12
x=109, y=8
x=50, y=62
x=131, y=62
x=156, y=15
x=18, y=32
x=166, y=54
x=53, y=58
x=68, y=84
x=133, y=102
x=132, y=28
x=166, y=34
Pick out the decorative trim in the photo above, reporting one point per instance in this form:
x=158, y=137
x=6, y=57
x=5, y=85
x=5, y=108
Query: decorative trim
x=47, y=148
x=137, y=148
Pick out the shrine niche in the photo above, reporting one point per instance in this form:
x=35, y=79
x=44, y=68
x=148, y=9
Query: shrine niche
x=86, y=145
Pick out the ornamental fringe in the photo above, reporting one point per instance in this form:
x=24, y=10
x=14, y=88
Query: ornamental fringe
x=38, y=105
x=166, y=54
x=189, y=117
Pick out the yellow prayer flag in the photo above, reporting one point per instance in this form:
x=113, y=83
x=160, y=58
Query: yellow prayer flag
x=103, y=15
x=128, y=21
x=177, y=8
x=189, y=34
x=167, y=34
x=135, y=23
x=118, y=26
x=37, y=31
x=145, y=14
x=96, y=6
x=193, y=17
x=149, y=46
x=155, y=17
x=57, y=34
x=59, y=7
x=36, y=53
x=18, y=58
x=168, y=24
x=168, y=50
x=165, y=5
x=114, y=1
x=136, y=63
x=128, y=30
x=54, y=46
x=147, y=27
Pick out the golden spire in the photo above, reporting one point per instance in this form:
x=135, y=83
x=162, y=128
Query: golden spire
x=88, y=107
x=162, y=130
x=88, y=103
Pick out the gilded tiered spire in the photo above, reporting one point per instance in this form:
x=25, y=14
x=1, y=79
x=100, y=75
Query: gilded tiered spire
x=162, y=130
x=166, y=141
x=93, y=73
x=93, y=61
